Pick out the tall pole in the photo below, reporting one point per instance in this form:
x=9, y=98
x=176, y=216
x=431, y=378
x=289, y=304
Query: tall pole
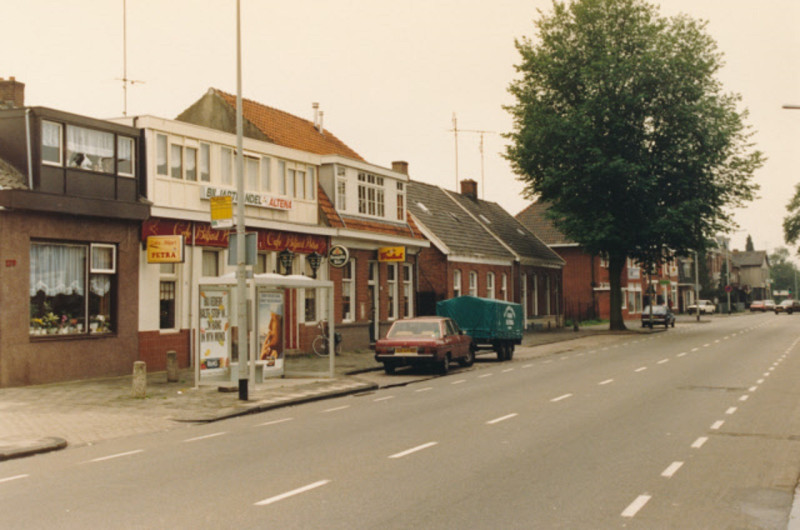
x=697, y=285
x=241, y=269
x=124, y=58
x=730, y=284
x=455, y=134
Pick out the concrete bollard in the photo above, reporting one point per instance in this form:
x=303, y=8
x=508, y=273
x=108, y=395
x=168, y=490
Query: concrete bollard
x=172, y=366
x=140, y=379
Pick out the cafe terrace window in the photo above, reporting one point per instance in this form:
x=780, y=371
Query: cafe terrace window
x=73, y=288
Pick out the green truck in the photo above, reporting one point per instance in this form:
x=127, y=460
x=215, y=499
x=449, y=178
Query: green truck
x=492, y=324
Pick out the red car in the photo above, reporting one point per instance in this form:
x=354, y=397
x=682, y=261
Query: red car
x=434, y=341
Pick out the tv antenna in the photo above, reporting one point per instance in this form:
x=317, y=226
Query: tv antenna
x=455, y=131
x=125, y=80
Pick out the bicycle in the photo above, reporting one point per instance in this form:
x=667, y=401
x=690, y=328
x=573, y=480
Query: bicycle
x=320, y=343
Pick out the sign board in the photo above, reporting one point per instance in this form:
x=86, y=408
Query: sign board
x=270, y=332
x=165, y=249
x=215, y=331
x=259, y=200
x=392, y=254
x=221, y=212
x=250, y=246
x=338, y=256
x=728, y=289
x=665, y=282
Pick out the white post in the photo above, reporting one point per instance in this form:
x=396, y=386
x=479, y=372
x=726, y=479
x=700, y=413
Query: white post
x=697, y=285
x=241, y=269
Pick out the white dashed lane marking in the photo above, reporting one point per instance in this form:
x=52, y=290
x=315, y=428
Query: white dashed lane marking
x=671, y=469
x=413, y=450
x=292, y=493
x=634, y=507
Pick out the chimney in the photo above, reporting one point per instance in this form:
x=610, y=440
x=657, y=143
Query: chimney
x=315, y=106
x=12, y=93
x=321, y=129
x=469, y=188
x=400, y=166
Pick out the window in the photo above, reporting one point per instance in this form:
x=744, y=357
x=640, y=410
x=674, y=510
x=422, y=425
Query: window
x=391, y=278
x=161, y=154
x=408, y=294
x=310, y=183
x=473, y=283
x=176, y=161
x=300, y=184
x=167, y=286
x=205, y=163
x=504, y=287
x=125, y=158
x=67, y=297
x=348, y=290
x=191, y=164
x=90, y=149
x=266, y=179
x=370, y=195
x=51, y=143
x=456, y=283
x=341, y=195
x=226, y=165
x=310, y=297
x=490, y=285
x=210, y=263
x=281, y=177
x=290, y=176
x=401, y=202
x=265, y=262
x=251, y=173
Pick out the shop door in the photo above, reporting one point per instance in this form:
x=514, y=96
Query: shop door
x=372, y=301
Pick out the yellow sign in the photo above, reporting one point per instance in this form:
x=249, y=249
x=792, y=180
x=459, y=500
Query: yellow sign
x=164, y=249
x=221, y=212
x=392, y=254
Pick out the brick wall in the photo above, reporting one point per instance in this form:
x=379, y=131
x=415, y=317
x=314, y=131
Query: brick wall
x=154, y=345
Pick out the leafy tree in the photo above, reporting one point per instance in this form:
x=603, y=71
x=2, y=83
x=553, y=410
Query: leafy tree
x=791, y=223
x=782, y=270
x=621, y=124
x=748, y=246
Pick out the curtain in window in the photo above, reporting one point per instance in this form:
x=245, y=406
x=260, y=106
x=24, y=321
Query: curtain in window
x=90, y=142
x=51, y=135
x=100, y=284
x=57, y=269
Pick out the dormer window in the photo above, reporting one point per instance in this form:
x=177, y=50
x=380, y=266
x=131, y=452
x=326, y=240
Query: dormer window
x=90, y=149
x=371, y=195
x=51, y=143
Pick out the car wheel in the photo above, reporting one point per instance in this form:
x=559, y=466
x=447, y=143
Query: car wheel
x=444, y=366
x=469, y=359
x=673, y=323
x=389, y=368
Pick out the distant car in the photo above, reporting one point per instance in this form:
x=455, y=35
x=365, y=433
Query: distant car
x=705, y=307
x=662, y=316
x=758, y=305
x=769, y=305
x=433, y=341
x=788, y=307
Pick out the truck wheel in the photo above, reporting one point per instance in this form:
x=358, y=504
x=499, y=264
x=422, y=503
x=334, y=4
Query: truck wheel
x=501, y=352
x=509, y=351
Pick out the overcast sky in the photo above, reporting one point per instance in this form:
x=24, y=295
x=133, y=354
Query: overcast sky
x=389, y=75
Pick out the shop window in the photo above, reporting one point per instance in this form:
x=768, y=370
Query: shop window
x=310, y=297
x=51, y=143
x=67, y=296
x=348, y=290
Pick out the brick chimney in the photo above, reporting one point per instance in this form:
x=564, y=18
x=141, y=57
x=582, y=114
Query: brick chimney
x=12, y=93
x=469, y=188
x=400, y=166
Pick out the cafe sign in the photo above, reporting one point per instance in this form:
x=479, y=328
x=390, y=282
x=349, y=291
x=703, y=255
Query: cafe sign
x=165, y=249
x=338, y=256
x=259, y=200
x=392, y=254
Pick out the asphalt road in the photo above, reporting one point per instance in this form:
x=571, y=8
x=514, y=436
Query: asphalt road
x=697, y=427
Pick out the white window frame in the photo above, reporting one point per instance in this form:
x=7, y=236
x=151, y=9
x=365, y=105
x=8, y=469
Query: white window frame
x=490, y=284
x=162, y=144
x=103, y=246
x=349, y=287
x=60, y=127
x=456, y=283
x=266, y=174
x=121, y=138
x=408, y=291
x=473, y=283
x=504, y=286
x=391, y=280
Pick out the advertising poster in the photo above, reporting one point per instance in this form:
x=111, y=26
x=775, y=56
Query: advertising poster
x=215, y=331
x=270, y=332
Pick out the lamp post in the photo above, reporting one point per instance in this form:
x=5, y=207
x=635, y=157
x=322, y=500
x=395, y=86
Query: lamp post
x=241, y=256
x=697, y=284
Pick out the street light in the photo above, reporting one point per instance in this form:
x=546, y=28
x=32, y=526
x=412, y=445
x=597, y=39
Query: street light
x=314, y=261
x=286, y=257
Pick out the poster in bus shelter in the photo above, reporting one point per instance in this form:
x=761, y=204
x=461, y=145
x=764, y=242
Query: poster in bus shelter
x=270, y=332
x=215, y=331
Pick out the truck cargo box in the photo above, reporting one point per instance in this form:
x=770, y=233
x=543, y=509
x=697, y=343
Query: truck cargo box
x=495, y=324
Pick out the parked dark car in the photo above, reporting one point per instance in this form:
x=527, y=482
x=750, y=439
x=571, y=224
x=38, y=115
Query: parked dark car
x=788, y=307
x=434, y=341
x=662, y=316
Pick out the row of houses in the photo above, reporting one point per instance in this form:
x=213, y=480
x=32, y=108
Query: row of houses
x=82, y=197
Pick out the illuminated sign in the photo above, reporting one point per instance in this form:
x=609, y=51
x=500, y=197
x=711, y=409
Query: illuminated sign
x=392, y=254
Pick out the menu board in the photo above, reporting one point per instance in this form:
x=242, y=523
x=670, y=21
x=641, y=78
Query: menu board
x=215, y=331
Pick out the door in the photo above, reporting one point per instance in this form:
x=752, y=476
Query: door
x=373, y=293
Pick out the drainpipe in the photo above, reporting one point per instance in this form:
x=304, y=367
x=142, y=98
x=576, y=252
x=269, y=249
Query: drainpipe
x=28, y=140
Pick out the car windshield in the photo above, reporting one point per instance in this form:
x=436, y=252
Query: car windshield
x=414, y=329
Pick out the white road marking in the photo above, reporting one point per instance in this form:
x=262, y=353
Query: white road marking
x=205, y=437
x=636, y=505
x=484, y=375
x=424, y=389
x=413, y=450
x=118, y=455
x=699, y=442
x=717, y=424
x=292, y=493
x=662, y=361
x=384, y=398
x=334, y=409
x=695, y=349
x=273, y=422
x=752, y=389
x=681, y=354
x=607, y=381
x=501, y=418
x=15, y=477
x=744, y=397
x=559, y=398
x=642, y=369
x=527, y=365
x=730, y=411
x=458, y=382
x=671, y=469
x=508, y=370
x=706, y=345
x=760, y=381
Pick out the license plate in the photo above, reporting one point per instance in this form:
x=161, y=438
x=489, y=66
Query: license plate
x=410, y=350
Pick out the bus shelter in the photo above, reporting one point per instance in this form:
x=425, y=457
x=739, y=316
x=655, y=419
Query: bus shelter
x=216, y=352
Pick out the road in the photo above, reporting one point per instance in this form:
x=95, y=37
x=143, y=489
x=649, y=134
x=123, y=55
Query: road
x=696, y=427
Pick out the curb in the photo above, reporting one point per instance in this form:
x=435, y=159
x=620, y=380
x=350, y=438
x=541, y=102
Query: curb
x=19, y=448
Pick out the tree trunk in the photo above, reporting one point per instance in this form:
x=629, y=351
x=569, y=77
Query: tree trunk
x=615, y=265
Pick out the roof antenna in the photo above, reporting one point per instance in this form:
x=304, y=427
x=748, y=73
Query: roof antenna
x=125, y=80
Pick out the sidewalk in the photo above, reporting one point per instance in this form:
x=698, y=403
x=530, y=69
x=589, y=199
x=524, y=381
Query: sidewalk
x=42, y=418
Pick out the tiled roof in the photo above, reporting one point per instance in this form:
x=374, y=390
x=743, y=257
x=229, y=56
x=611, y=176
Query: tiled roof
x=330, y=217
x=288, y=130
x=10, y=178
x=753, y=258
x=328, y=214
x=463, y=235
x=534, y=218
x=495, y=219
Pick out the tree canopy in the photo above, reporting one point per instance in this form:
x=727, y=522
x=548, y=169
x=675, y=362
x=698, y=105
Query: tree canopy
x=621, y=124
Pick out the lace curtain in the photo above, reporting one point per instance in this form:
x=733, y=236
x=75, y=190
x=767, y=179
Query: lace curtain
x=57, y=269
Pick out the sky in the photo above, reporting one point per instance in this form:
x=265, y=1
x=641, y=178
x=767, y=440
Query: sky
x=389, y=76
